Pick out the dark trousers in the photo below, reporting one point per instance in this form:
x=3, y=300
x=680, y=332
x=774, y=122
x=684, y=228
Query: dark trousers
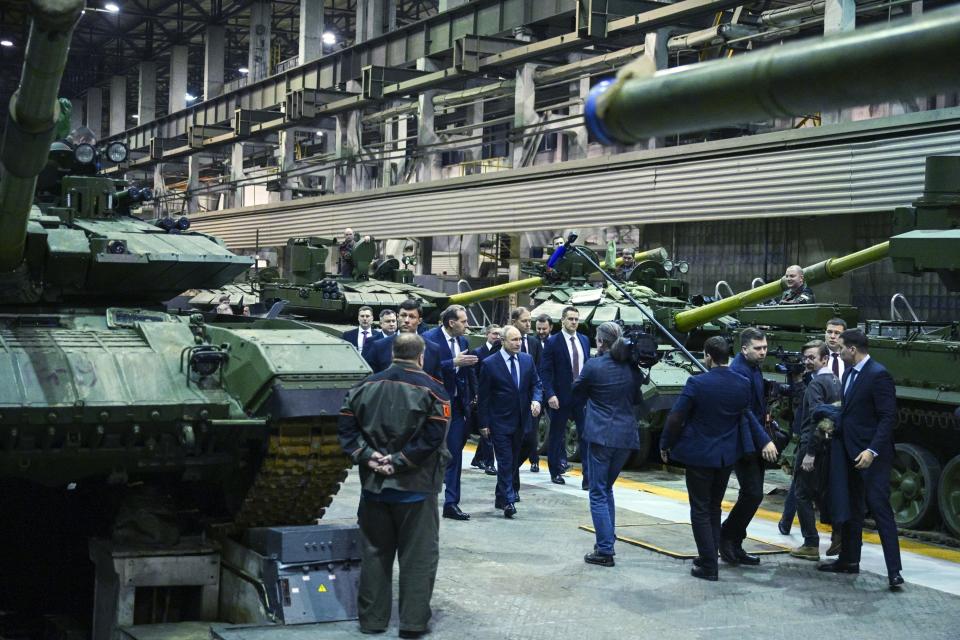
x=507, y=448
x=806, y=491
x=705, y=488
x=870, y=487
x=790, y=503
x=410, y=533
x=456, y=438
x=524, y=453
x=605, y=465
x=531, y=445
x=749, y=470
x=484, y=455
x=556, y=449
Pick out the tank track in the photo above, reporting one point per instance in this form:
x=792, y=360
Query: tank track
x=300, y=473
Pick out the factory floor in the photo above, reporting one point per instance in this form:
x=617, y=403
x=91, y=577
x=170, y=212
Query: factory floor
x=525, y=578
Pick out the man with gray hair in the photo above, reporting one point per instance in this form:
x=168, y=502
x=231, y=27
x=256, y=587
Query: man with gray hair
x=458, y=368
x=797, y=292
x=393, y=425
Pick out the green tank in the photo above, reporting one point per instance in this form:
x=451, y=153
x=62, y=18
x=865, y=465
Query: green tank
x=917, y=57
x=105, y=398
x=333, y=301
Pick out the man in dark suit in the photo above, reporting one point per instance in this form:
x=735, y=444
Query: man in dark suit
x=560, y=364
x=867, y=419
x=380, y=355
x=364, y=335
x=520, y=318
x=709, y=429
x=484, y=458
x=749, y=468
x=460, y=381
x=509, y=398
x=544, y=326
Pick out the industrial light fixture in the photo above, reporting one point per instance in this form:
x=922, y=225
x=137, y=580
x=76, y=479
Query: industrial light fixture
x=189, y=97
x=243, y=70
x=6, y=43
x=136, y=116
x=112, y=7
x=329, y=37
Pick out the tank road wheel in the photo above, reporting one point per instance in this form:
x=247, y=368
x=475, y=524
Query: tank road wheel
x=949, y=495
x=572, y=442
x=913, y=486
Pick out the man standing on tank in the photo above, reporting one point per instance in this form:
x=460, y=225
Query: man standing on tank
x=393, y=426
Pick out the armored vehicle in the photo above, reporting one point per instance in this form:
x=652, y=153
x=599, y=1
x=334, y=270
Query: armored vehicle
x=105, y=399
x=834, y=73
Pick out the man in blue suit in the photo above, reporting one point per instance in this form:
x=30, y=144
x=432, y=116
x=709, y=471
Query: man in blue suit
x=749, y=468
x=483, y=458
x=520, y=318
x=509, y=398
x=364, y=335
x=460, y=381
x=380, y=354
x=867, y=418
x=710, y=428
x=560, y=364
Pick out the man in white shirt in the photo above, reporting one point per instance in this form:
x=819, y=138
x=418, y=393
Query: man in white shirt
x=835, y=326
x=364, y=335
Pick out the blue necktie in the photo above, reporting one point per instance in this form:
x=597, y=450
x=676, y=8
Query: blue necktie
x=513, y=371
x=850, y=379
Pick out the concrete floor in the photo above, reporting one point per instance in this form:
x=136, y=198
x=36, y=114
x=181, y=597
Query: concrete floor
x=526, y=579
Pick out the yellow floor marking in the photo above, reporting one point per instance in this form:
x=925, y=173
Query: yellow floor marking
x=906, y=544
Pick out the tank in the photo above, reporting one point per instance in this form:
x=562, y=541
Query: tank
x=916, y=56
x=118, y=418
x=333, y=301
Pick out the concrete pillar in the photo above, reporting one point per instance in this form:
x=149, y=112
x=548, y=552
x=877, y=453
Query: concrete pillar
x=118, y=104
x=159, y=187
x=374, y=18
x=287, y=161
x=655, y=50
x=213, y=60
x=178, y=78
x=94, y=111
x=311, y=30
x=193, y=182
x=474, y=153
x=838, y=16
x=258, y=61
x=234, y=198
x=147, y=92
x=524, y=113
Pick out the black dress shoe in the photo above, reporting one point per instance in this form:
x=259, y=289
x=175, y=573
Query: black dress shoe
x=490, y=470
x=746, y=558
x=476, y=463
x=896, y=581
x=406, y=633
x=599, y=558
x=534, y=467
x=784, y=528
x=703, y=574
x=371, y=632
x=509, y=511
x=453, y=512
x=728, y=552
x=585, y=485
x=839, y=567
x=558, y=480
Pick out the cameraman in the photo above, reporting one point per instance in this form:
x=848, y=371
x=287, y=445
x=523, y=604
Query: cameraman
x=611, y=387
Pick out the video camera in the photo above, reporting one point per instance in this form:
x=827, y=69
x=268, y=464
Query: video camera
x=643, y=347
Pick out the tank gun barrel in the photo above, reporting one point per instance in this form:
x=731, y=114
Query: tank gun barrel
x=911, y=58
x=821, y=272
x=659, y=254
x=496, y=291
x=32, y=120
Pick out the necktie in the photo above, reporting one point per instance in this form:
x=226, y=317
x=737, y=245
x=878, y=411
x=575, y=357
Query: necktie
x=835, y=364
x=363, y=342
x=453, y=347
x=575, y=356
x=850, y=379
x=523, y=345
x=513, y=371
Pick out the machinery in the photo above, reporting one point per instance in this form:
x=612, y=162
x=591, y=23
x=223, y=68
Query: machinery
x=118, y=419
x=836, y=72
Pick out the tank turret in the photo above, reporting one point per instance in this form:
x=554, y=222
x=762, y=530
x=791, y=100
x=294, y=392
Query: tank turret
x=32, y=120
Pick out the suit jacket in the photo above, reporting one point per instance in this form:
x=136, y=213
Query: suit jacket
x=461, y=385
x=610, y=390
x=556, y=373
x=535, y=349
x=711, y=424
x=380, y=356
x=352, y=335
x=869, y=411
x=482, y=352
x=753, y=375
x=502, y=406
